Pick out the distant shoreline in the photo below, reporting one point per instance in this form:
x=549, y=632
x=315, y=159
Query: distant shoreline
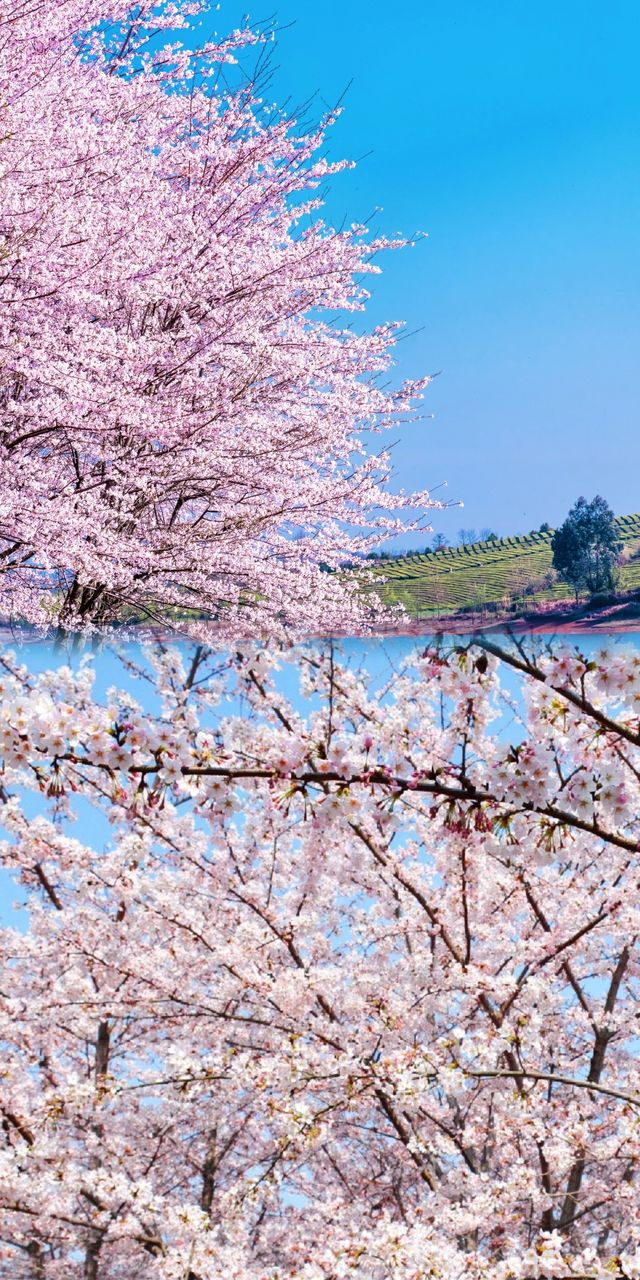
x=618, y=618
x=614, y=619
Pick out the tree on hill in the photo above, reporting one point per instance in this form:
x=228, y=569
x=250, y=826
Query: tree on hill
x=348, y=991
x=180, y=414
x=440, y=541
x=586, y=548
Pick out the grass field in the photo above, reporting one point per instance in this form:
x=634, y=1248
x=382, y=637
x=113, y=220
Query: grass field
x=493, y=576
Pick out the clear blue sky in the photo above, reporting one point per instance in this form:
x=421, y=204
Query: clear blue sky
x=510, y=133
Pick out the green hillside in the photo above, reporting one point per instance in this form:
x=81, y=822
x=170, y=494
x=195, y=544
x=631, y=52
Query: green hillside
x=492, y=576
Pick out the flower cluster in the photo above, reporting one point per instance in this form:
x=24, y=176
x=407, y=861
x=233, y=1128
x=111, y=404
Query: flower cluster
x=179, y=414
x=339, y=987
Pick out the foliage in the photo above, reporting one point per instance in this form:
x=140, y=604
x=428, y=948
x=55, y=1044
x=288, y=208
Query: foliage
x=183, y=401
x=350, y=993
x=586, y=547
x=447, y=582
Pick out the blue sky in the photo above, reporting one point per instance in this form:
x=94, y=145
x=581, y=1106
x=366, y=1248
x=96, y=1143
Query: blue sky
x=508, y=132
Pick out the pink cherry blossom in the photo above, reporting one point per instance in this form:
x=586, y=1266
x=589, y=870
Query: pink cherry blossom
x=184, y=400
x=291, y=1005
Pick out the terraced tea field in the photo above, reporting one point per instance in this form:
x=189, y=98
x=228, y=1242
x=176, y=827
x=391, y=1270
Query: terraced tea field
x=493, y=576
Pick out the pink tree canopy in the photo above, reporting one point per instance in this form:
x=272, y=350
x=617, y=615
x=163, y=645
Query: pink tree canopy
x=185, y=408
x=344, y=994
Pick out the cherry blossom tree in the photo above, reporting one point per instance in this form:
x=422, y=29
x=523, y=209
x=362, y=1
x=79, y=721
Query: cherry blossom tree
x=347, y=991
x=186, y=408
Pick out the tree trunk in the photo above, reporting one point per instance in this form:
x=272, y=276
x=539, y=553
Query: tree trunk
x=103, y=1044
x=208, y=1174
x=36, y=1254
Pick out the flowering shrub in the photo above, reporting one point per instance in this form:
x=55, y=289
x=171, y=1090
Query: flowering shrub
x=344, y=993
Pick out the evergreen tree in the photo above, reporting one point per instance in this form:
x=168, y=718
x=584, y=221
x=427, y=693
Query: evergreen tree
x=586, y=547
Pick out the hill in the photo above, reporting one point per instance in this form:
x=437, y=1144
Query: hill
x=510, y=574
